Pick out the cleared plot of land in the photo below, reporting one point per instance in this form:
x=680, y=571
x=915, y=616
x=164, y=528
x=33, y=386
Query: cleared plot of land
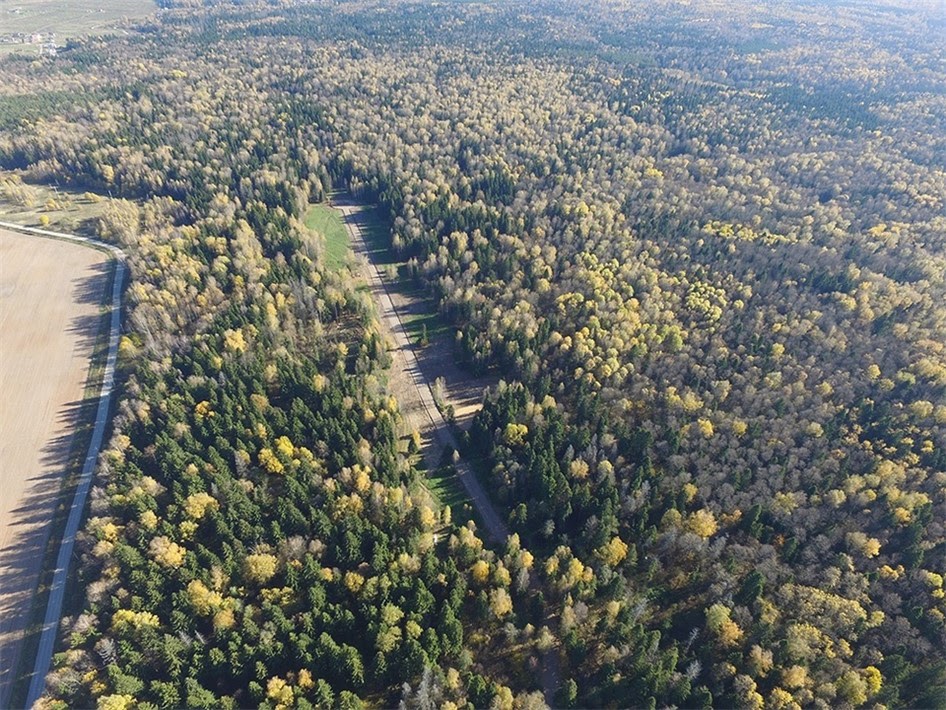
x=59, y=209
x=327, y=221
x=410, y=383
x=50, y=296
x=65, y=18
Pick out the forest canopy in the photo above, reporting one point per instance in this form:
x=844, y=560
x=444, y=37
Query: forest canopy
x=703, y=246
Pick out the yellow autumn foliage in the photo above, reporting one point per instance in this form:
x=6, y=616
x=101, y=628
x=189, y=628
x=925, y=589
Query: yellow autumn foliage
x=613, y=552
x=726, y=630
x=126, y=618
x=515, y=434
x=284, y=448
x=269, y=462
x=500, y=603
x=196, y=505
x=234, y=340
x=279, y=691
x=260, y=568
x=702, y=523
x=204, y=600
x=115, y=702
x=148, y=520
x=780, y=699
x=480, y=571
x=166, y=552
x=354, y=582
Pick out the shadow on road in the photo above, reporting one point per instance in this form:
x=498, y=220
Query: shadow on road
x=462, y=390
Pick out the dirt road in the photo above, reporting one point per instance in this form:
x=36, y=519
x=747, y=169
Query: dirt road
x=50, y=293
x=416, y=399
x=419, y=397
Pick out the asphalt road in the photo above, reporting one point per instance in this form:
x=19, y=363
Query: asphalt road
x=57, y=591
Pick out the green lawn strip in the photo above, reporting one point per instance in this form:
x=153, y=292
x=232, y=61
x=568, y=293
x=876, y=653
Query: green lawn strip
x=444, y=486
x=78, y=449
x=415, y=323
x=327, y=221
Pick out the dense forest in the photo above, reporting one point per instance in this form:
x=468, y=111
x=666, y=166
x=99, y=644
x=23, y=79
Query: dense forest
x=704, y=247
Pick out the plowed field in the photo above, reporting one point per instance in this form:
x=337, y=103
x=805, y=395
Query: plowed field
x=50, y=293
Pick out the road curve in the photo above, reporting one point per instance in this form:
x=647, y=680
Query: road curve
x=57, y=591
x=441, y=432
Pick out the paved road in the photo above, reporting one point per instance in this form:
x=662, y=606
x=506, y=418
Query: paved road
x=57, y=591
x=440, y=431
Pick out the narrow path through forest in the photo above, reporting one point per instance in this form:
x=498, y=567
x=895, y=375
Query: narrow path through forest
x=436, y=426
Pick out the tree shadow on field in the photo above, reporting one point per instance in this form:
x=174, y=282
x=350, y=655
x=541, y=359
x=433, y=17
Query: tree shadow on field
x=88, y=290
x=45, y=504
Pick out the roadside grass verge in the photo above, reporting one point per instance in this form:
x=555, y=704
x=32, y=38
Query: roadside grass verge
x=78, y=449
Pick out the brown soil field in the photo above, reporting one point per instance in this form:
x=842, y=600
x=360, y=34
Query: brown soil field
x=50, y=294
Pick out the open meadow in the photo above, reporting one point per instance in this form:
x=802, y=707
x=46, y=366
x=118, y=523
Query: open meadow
x=48, y=207
x=50, y=296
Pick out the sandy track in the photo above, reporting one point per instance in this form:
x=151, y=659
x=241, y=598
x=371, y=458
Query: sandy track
x=413, y=390
x=50, y=292
x=416, y=393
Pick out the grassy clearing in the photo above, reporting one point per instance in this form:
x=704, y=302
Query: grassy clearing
x=444, y=486
x=75, y=18
x=441, y=487
x=327, y=221
x=53, y=208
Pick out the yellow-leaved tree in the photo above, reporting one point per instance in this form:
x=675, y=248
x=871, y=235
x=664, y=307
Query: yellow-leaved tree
x=260, y=568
